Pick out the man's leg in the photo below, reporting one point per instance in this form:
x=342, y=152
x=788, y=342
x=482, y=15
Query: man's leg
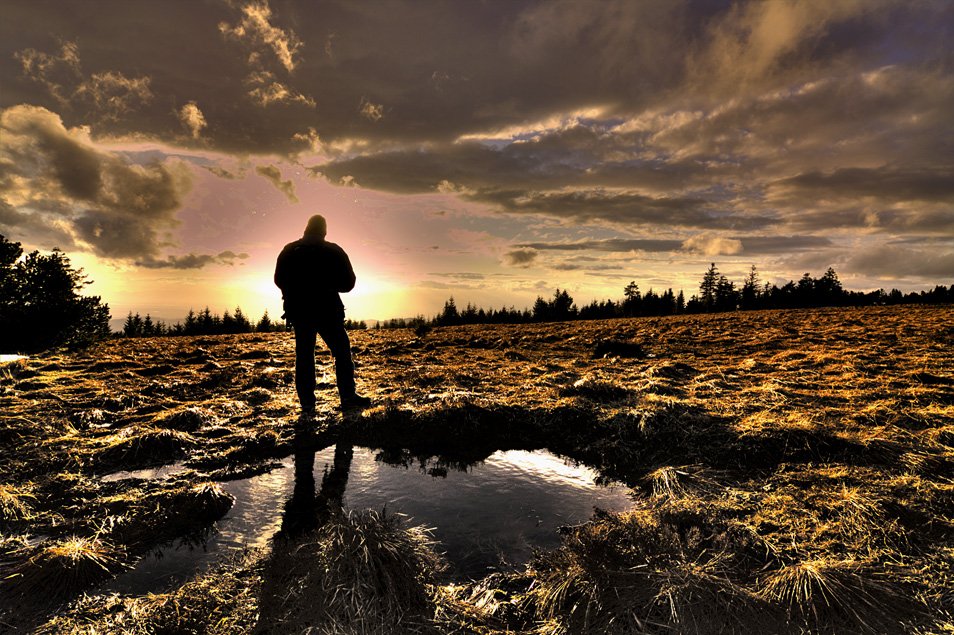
x=305, y=365
x=336, y=338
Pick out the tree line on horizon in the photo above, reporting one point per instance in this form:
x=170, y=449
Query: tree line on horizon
x=41, y=307
x=202, y=323
x=716, y=294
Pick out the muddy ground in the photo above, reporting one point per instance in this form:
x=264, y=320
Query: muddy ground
x=791, y=471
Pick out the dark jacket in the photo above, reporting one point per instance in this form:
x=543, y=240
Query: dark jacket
x=311, y=272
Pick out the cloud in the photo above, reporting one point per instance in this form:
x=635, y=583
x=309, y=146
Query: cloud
x=109, y=94
x=625, y=208
x=256, y=31
x=896, y=200
x=112, y=94
x=264, y=89
x=60, y=183
x=274, y=174
x=616, y=244
x=751, y=245
x=927, y=183
x=901, y=261
x=525, y=179
x=267, y=43
x=222, y=173
x=712, y=245
x=771, y=245
x=521, y=257
x=754, y=44
x=614, y=41
x=370, y=110
x=193, y=260
x=52, y=70
x=192, y=119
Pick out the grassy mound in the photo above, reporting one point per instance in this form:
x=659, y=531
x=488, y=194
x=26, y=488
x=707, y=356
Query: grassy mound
x=358, y=573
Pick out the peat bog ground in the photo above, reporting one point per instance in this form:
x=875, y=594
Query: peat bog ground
x=791, y=472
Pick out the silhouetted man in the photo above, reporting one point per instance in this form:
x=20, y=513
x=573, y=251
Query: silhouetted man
x=311, y=272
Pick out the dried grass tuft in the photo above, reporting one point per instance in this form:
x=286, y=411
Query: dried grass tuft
x=189, y=420
x=675, y=567
x=222, y=601
x=14, y=505
x=148, y=519
x=150, y=447
x=840, y=595
x=492, y=604
x=62, y=567
x=595, y=389
x=672, y=483
x=357, y=573
x=696, y=600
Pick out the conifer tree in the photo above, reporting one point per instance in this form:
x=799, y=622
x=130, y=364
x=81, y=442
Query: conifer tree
x=265, y=324
x=707, y=289
x=40, y=304
x=241, y=323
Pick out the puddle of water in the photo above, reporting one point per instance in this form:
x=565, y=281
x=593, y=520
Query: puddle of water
x=150, y=473
x=491, y=517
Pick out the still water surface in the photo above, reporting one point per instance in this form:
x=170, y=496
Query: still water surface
x=485, y=519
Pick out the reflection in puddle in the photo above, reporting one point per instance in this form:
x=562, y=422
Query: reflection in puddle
x=485, y=519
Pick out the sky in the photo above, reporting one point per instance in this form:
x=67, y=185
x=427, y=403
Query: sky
x=491, y=151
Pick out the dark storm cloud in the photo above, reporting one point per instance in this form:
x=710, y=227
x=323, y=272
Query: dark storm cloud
x=749, y=245
x=622, y=208
x=443, y=70
x=880, y=220
x=771, y=245
x=109, y=94
x=520, y=257
x=424, y=169
x=886, y=200
x=119, y=210
x=927, y=184
x=192, y=260
x=56, y=187
x=900, y=261
x=517, y=179
x=722, y=120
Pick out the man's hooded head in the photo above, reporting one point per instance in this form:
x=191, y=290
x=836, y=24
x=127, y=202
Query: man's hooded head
x=317, y=226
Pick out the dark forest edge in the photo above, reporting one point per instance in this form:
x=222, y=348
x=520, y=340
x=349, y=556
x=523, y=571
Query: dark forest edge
x=40, y=303
x=717, y=294
x=41, y=307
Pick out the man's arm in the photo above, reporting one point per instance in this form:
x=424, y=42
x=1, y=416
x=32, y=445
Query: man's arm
x=345, y=281
x=280, y=273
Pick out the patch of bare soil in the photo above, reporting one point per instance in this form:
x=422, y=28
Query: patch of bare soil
x=792, y=471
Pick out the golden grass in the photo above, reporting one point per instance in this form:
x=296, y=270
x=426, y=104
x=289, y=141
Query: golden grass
x=223, y=601
x=132, y=449
x=839, y=595
x=362, y=573
x=772, y=451
x=61, y=567
x=16, y=504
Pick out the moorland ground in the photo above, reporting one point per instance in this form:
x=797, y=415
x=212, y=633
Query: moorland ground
x=791, y=473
